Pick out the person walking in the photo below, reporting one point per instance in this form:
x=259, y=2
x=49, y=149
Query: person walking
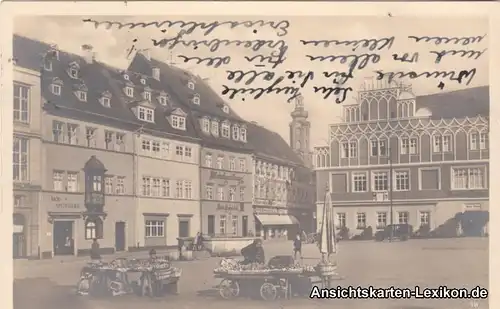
x=297, y=247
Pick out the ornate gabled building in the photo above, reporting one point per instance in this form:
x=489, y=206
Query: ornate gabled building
x=424, y=157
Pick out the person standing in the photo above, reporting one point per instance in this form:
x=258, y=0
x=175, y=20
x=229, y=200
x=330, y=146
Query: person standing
x=95, y=255
x=297, y=246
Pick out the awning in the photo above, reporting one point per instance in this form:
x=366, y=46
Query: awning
x=277, y=219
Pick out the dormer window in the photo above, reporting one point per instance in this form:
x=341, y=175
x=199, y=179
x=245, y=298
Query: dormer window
x=236, y=133
x=215, y=128
x=163, y=100
x=73, y=72
x=56, y=86
x=143, y=81
x=126, y=77
x=146, y=95
x=225, y=129
x=156, y=73
x=145, y=114
x=243, y=134
x=47, y=64
x=205, y=125
x=106, y=99
x=178, y=122
x=225, y=109
x=53, y=52
x=82, y=95
x=196, y=99
x=129, y=91
x=190, y=84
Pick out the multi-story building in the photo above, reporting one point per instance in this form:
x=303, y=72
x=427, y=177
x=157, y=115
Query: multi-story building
x=283, y=192
x=26, y=163
x=424, y=157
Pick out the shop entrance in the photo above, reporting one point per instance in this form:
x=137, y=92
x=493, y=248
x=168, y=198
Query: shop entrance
x=63, y=237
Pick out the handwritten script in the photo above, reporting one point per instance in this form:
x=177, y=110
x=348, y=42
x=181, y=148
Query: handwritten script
x=257, y=58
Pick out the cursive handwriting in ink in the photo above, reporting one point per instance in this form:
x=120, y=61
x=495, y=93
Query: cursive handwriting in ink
x=214, y=44
x=302, y=75
x=191, y=26
x=238, y=76
x=339, y=92
x=209, y=61
x=451, y=75
x=445, y=40
x=344, y=76
x=406, y=57
x=461, y=53
x=371, y=44
x=357, y=61
x=293, y=92
x=276, y=58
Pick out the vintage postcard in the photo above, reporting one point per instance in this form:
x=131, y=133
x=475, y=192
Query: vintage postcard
x=220, y=155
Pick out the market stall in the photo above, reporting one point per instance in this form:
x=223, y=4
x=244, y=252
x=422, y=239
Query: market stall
x=152, y=277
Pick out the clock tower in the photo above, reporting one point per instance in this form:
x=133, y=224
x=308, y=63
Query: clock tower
x=300, y=132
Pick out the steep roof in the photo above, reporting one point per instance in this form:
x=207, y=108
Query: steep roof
x=470, y=102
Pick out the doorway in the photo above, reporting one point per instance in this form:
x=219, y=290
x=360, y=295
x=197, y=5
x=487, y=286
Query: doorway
x=184, y=228
x=244, y=226
x=18, y=238
x=63, y=238
x=120, y=236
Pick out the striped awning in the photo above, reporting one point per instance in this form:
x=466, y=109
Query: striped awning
x=277, y=219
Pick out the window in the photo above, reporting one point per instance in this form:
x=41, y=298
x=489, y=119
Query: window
x=57, y=180
x=222, y=224
x=188, y=153
x=190, y=85
x=120, y=185
x=47, y=64
x=155, y=228
x=108, y=184
x=126, y=77
x=55, y=89
x=220, y=193
x=446, y=143
x=146, y=186
x=145, y=114
x=220, y=162
x=381, y=219
x=232, y=164
x=359, y=182
x=403, y=217
x=179, y=193
x=225, y=109
x=473, y=141
x=129, y=91
x=72, y=134
x=108, y=140
x=179, y=152
x=225, y=129
x=243, y=134
x=361, y=220
x=209, y=192
x=178, y=122
x=374, y=148
x=232, y=194
x=413, y=146
x=236, y=133
x=81, y=95
x=143, y=81
x=341, y=219
x=380, y=181
x=21, y=103
x=243, y=165
x=20, y=159
x=165, y=149
x=208, y=160
x=196, y=99
x=234, y=225
x=402, y=180
x=165, y=187
x=483, y=141
x=242, y=194
x=468, y=178
x=441, y=143
x=215, y=128
x=90, y=134
x=147, y=95
x=382, y=148
x=58, y=132
x=211, y=225
x=163, y=100
x=155, y=186
x=405, y=146
x=206, y=125
x=425, y=218
x=120, y=142
x=72, y=182
x=188, y=189
x=155, y=148
x=73, y=73
x=146, y=145
x=93, y=229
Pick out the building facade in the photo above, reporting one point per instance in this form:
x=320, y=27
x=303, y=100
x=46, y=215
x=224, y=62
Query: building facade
x=427, y=156
x=27, y=149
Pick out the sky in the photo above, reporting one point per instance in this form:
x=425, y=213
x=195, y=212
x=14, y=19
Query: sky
x=272, y=110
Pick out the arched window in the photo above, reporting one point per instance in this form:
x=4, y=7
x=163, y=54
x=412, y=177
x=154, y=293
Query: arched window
x=93, y=228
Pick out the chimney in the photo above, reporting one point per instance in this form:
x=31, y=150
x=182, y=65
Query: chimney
x=156, y=73
x=88, y=54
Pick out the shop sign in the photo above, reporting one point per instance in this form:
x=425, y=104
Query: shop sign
x=225, y=176
x=271, y=211
x=63, y=203
x=267, y=202
x=231, y=206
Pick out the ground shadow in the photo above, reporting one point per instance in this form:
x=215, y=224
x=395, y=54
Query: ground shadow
x=42, y=293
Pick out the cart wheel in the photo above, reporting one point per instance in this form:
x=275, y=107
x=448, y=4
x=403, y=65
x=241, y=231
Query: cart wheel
x=229, y=289
x=268, y=291
x=83, y=286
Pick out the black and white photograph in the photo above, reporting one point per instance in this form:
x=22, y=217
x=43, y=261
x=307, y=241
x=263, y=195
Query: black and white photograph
x=234, y=161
